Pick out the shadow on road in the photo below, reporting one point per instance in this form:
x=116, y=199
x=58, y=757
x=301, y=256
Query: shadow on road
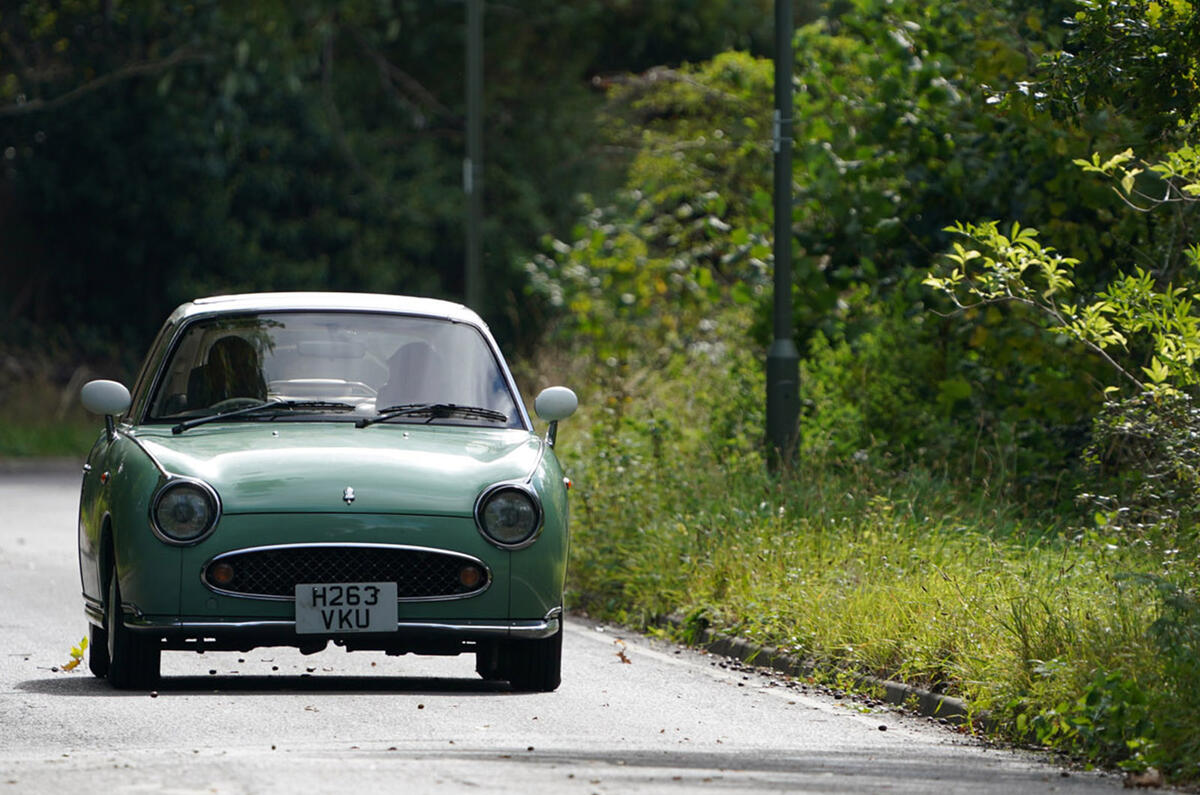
x=835, y=770
x=207, y=685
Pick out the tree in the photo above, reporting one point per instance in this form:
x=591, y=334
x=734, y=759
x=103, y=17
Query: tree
x=151, y=152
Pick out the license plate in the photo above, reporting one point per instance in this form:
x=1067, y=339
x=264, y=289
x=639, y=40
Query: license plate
x=329, y=607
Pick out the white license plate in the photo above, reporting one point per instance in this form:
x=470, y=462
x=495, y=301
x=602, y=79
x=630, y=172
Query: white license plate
x=329, y=607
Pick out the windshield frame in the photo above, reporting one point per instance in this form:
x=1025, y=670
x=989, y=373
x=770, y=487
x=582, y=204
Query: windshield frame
x=147, y=388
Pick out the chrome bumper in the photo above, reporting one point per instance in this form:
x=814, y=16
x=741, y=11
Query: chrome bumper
x=282, y=632
x=466, y=630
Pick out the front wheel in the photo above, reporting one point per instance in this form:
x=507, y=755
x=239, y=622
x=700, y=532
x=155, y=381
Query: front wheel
x=97, y=651
x=533, y=666
x=133, y=660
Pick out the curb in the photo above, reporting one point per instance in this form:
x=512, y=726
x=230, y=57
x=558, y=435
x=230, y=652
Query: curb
x=924, y=702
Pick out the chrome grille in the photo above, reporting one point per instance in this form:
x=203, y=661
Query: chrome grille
x=419, y=573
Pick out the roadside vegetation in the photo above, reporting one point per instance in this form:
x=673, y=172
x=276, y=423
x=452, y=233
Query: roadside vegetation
x=40, y=413
x=993, y=494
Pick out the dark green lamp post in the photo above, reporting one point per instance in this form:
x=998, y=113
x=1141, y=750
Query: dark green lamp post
x=473, y=164
x=783, y=360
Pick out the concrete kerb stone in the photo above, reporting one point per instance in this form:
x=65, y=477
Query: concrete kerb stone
x=924, y=702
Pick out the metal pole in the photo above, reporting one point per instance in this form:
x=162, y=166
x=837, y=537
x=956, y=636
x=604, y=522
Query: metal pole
x=783, y=360
x=473, y=164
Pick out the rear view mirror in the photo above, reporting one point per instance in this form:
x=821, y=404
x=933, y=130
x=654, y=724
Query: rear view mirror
x=553, y=404
x=104, y=397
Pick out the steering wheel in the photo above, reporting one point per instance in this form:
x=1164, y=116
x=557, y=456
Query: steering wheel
x=235, y=403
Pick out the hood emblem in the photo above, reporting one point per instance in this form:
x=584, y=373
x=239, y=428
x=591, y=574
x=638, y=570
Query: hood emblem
x=348, y=495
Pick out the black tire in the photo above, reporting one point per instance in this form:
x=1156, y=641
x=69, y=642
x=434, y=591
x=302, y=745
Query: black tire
x=133, y=659
x=487, y=663
x=97, y=651
x=534, y=666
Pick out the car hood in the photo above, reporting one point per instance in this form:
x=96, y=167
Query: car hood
x=307, y=467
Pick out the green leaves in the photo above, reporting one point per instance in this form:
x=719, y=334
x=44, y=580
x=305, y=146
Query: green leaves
x=1135, y=57
x=1157, y=372
x=1133, y=317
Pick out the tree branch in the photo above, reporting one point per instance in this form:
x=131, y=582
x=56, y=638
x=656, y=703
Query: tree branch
x=391, y=74
x=180, y=56
x=1055, y=315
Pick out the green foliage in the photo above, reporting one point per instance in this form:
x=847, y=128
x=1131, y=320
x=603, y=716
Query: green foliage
x=1141, y=330
x=860, y=402
x=185, y=148
x=1132, y=715
x=1146, y=471
x=895, y=546
x=901, y=575
x=39, y=417
x=1138, y=57
x=1141, y=59
x=648, y=275
x=1108, y=723
x=895, y=140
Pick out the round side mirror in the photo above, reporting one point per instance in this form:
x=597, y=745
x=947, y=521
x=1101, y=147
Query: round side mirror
x=555, y=403
x=104, y=397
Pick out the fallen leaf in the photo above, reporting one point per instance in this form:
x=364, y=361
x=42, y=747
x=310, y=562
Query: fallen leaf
x=76, y=655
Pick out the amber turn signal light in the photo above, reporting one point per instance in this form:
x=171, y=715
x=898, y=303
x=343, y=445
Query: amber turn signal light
x=470, y=576
x=221, y=574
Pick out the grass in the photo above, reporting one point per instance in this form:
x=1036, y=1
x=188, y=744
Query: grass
x=41, y=419
x=1067, y=637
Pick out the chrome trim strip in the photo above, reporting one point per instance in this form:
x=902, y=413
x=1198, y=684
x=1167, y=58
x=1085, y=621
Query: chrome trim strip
x=94, y=610
x=355, y=545
x=517, y=485
x=173, y=481
x=150, y=374
x=127, y=433
x=528, y=630
x=541, y=457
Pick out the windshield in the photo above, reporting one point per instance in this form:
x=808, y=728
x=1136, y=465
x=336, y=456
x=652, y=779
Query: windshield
x=332, y=365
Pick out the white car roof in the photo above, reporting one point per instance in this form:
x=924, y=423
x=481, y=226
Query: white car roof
x=362, y=302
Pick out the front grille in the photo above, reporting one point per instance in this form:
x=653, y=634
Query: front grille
x=273, y=572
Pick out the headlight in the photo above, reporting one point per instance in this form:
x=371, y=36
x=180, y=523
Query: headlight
x=184, y=511
x=508, y=515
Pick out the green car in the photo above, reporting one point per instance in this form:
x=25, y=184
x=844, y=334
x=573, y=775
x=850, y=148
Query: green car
x=295, y=469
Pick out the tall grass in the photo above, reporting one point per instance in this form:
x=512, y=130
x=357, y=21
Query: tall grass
x=1064, y=636
x=41, y=418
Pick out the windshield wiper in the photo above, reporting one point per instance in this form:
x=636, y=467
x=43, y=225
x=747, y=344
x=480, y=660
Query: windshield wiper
x=291, y=405
x=436, y=411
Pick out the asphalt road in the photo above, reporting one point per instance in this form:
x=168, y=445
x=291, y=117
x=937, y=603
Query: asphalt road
x=272, y=720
